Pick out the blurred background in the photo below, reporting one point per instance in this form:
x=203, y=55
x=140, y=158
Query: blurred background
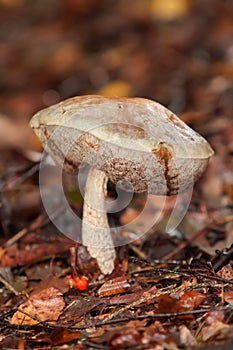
x=177, y=52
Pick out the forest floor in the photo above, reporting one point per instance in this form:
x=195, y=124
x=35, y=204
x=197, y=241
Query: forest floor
x=167, y=291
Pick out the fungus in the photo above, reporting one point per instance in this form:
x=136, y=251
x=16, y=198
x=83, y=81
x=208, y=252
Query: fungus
x=134, y=142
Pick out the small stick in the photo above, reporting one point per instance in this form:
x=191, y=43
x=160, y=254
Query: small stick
x=8, y=286
x=163, y=291
x=36, y=224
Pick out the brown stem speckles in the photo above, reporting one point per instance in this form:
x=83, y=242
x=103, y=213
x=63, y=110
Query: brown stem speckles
x=96, y=234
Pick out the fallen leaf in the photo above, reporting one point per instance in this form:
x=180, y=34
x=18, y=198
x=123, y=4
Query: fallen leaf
x=214, y=316
x=46, y=305
x=61, y=284
x=186, y=337
x=115, y=286
x=155, y=333
x=62, y=336
x=167, y=304
x=226, y=272
x=228, y=296
x=130, y=337
x=216, y=330
x=79, y=308
x=191, y=299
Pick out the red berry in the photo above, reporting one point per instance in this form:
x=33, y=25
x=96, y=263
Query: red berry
x=80, y=282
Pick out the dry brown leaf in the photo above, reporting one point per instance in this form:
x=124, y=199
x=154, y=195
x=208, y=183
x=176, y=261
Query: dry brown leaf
x=192, y=299
x=186, y=337
x=61, y=284
x=167, y=304
x=130, y=337
x=155, y=333
x=80, y=307
x=214, y=316
x=228, y=297
x=215, y=330
x=226, y=272
x=115, y=286
x=46, y=305
x=64, y=336
x=204, y=243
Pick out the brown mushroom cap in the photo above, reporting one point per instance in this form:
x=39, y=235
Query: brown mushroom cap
x=130, y=139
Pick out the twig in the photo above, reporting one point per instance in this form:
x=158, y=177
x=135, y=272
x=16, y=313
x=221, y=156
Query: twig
x=223, y=257
x=94, y=345
x=119, y=320
x=224, y=220
x=196, y=234
x=188, y=273
x=34, y=226
x=137, y=251
x=163, y=291
x=182, y=245
x=159, y=315
x=21, y=178
x=197, y=274
x=8, y=285
x=39, y=222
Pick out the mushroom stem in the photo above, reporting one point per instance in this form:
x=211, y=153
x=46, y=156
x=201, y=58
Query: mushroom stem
x=96, y=234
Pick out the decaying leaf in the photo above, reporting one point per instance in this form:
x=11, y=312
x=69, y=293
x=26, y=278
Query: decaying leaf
x=117, y=286
x=217, y=330
x=226, y=272
x=186, y=337
x=214, y=316
x=191, y=299
x=46, y=305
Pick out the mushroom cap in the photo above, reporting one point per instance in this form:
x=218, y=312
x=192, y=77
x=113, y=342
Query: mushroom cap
x=132, y=140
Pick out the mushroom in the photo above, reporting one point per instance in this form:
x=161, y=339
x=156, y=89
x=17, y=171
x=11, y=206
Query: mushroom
x=126, y=140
